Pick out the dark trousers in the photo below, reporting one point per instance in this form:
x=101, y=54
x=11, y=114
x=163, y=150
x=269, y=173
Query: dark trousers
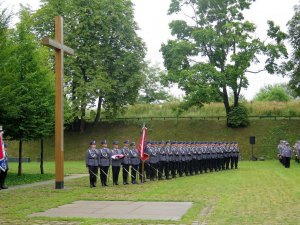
x=236, y=161
x=153, y=170
x=231, y=162
x=147, y=169
x=104, y=174
x=286, y=162
x=3, y=175
x=93, y=171
x=166, y=169
x=134, y=169
x=125, y=173
x=115, y=172
x=172, y=168
x=227, y=161
x=195, y=164
x=161, y=169
x=142, y=173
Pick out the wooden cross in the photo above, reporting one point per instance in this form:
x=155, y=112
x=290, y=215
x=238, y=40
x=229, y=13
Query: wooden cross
x=60, y=49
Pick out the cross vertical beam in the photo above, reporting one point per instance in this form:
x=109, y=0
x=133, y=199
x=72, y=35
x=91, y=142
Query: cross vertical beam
x=59, y=106
x=60, y=49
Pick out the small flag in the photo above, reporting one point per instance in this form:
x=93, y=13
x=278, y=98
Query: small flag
x=142, y=145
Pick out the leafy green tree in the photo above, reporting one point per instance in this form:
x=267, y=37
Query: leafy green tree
x=26, y=87
x=277, y=92
x=294, y=37
x=152, y=90
x=214, y=49
x=109, y=55
x=5, y=18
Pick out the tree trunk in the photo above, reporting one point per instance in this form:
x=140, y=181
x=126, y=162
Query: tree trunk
x=226, y=101
x=42, y=156
x=236, y=99
x=97, y=118
x=82, y=119
x=20, y=158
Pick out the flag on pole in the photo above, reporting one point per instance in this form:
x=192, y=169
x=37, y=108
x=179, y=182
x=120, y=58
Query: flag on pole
x=142, y=145
x=3, y=158
x=1, y=146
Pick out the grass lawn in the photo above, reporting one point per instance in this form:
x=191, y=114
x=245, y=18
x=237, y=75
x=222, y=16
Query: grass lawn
x=31, y=172
x=256, y=193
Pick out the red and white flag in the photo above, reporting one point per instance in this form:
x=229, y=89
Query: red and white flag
x=118, y=156
x=142, y=145
x=1, y=146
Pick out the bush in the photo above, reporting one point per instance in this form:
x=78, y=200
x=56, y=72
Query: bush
x=238, y=117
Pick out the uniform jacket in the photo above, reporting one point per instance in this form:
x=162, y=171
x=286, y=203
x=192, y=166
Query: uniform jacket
x=91, y=157
x=116, y=162
x=134, y=157
x=104, y=155
x=126, y=159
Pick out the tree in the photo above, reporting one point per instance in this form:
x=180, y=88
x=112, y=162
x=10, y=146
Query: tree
x=109, y=55
x=26, y=87
x=151, y=90
x=214, y=49
x=5, y=18
x=294, y=37
x=277, y=92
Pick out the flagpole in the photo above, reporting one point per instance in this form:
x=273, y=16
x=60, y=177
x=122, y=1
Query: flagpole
x=143, y=171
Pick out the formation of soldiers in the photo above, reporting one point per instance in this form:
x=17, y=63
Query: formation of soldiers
x=285, y=153
x=166, y=160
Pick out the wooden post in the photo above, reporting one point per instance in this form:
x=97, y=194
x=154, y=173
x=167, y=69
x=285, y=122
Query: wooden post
x=60, y=49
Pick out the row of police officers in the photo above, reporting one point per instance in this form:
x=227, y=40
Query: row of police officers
x=165, y=160
x=285, y=152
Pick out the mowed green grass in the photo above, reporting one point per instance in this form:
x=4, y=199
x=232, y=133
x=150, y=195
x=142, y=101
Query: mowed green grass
x=31, y=172
x=257, y=193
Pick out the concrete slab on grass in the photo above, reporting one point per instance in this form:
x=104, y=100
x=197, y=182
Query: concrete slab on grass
x=120, y=210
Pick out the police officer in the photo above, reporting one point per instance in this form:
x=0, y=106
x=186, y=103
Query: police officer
x=116, y=156
x=280, y=148
x=4, y=168
x=170, y=158
x=91, y=161
x=125, y=162
x=135, y=162
x=297, y=151
x=104, y=162
x=236, y=155
x=163, y=161
x=287, y=154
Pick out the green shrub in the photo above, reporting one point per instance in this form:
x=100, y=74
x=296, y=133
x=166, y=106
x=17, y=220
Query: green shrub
x=238, y=117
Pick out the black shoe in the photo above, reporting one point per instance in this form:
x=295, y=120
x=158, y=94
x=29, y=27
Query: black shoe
x=91, y=186
x=116, y=183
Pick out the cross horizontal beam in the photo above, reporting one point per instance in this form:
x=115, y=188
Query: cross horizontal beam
x=57, y=46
